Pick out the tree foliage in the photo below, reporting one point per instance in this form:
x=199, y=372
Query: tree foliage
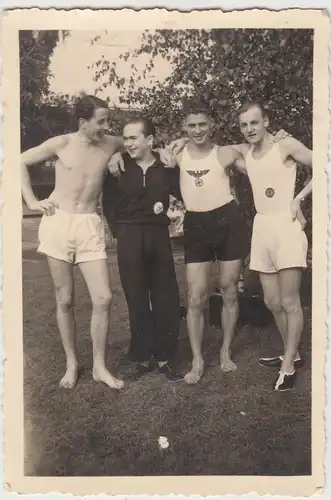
x=223, y=67
x=42, y=112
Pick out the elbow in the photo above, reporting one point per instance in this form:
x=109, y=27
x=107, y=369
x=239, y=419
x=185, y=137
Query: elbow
x=24, y=165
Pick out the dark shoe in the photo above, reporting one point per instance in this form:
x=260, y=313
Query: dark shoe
x=285, y=381
x=276, y=362
x=139, y=371
x=170, y=373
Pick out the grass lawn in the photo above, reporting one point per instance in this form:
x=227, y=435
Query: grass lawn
x=227, y=424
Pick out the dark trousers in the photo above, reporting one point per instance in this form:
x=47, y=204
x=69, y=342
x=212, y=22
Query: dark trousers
x=150, y=286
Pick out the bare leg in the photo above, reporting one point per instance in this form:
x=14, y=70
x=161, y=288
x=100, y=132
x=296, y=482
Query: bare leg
x=96, y=275
x=62, y=275
x=272, y=297
x=229, y=279
x=271, y=293
x=290, y=280
x=197, y=278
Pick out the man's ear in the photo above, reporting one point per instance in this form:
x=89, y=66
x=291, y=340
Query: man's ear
x=150, y=140
x=266, y=121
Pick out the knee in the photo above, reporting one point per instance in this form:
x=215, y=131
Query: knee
x=197, y=300
x=291, y=304
x=229, y=294
x=64, y=299
x=273, y=304
x=102, y=301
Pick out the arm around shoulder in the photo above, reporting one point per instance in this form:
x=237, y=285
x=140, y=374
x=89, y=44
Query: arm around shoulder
x=229, y=156
x=241, y=149
x=115, y=144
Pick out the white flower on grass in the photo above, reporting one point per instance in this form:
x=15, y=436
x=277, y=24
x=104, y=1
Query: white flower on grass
x=163, y=442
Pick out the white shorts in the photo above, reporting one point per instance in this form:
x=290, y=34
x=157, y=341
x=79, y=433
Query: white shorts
x=73, y=238
x=277, y=243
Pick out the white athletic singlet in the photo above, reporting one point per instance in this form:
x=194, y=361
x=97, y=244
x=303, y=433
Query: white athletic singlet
x=272, y=182
x=204, y=183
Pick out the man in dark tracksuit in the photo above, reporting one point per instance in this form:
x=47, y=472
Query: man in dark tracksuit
x=135, y=206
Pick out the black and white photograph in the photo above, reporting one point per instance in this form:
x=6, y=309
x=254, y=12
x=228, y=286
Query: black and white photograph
x=167, y=220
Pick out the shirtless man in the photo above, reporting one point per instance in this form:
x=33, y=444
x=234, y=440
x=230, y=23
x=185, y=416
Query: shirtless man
x=279, y=244
x=71, y=232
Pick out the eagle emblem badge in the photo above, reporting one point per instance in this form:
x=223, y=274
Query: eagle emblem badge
x=197, y=174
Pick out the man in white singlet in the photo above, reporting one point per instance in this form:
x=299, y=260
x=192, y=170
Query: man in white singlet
x=71, y=232
x=279, y=244
x=214, y=229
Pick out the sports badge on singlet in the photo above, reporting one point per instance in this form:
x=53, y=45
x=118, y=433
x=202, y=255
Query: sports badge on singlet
x=158, y=208
x=269, y=192
x=198, y=174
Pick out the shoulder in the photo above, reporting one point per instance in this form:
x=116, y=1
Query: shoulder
x=170, y=171
x=162, y=166
x=49, y=149
x=244, y=149
x=58, y=142
x=127, y=158
x=288, y=145
x=241, y=149
x=54, y=145
x=110, y=143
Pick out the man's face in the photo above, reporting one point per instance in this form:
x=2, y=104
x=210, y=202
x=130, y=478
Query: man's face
x=198, y=128
x=136, y=142
x=253, y=125
x=96, y=127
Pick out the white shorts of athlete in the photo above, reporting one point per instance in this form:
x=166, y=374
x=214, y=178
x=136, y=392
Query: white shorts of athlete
x=277, y=243
x=73, y=238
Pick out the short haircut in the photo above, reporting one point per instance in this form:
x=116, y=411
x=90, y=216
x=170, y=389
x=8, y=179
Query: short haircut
x=86, y=105
x=253, y=104
x=195, y=107
x=148, y=126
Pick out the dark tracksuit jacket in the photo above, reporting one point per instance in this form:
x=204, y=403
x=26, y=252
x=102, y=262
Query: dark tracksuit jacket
x=144, y=255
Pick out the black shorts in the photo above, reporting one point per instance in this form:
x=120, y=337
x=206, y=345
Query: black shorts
x=220, y=234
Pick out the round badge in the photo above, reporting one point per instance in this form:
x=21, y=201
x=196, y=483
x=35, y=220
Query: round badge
x=158, y=208
x=269, y=192
x=199, y=182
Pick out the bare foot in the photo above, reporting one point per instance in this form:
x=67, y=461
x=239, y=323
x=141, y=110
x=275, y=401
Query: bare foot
x=70, y=377
x=196, y=372
x=103, y=375
x=226, y=364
